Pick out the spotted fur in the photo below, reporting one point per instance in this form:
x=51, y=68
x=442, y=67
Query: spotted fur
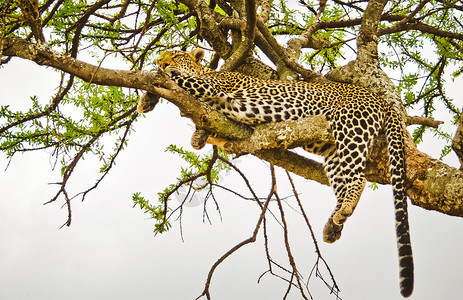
x=356, y=116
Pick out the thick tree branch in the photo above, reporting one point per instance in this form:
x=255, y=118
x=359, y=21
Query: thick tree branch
x=283, y=135
x=305, y=40
x=261, y=42
x=43, y=55
x=367, y=41
x=30, y=10
x=265, y=8
x=432, y=184
x=247, y=39
x=155, y=83
x=308, y=75
x=209, y=28
x=295, y=163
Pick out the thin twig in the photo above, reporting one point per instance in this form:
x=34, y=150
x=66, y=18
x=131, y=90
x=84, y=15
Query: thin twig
x=335, y=288
x=252, y=239
x=288, y=248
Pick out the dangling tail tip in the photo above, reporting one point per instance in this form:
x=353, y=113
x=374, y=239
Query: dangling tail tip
x=406, y=290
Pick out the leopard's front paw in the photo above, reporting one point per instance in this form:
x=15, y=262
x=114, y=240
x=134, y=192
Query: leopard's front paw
x=147, y=103
x=199, y=138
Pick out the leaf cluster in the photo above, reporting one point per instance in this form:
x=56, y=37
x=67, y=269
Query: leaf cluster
x=200, y=172
x=425, y=61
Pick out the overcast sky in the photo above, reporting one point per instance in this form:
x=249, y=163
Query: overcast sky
x=110, y=252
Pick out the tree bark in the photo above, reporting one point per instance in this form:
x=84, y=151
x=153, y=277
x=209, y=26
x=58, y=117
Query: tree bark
x=457, y=143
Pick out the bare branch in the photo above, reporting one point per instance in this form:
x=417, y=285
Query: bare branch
x=335, y=289
x=282, y=53
x=367, y=41
x=209, y=28
x=113, y=159
x=288, y=248
x=415, y=120
x=419, y=26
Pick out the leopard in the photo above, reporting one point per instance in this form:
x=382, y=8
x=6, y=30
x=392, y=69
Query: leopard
x=356, y=116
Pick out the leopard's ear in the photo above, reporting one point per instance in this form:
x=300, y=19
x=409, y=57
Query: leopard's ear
x=197, y=55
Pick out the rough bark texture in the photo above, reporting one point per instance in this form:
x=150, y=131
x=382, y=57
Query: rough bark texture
x=457, y=144
x=433, y=184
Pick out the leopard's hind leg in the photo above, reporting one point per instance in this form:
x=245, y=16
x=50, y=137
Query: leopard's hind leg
x=332, y=231
x=348, y=184
x=345, y=168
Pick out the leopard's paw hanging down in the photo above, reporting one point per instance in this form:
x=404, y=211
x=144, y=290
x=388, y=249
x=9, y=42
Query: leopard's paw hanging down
x=147, y=103
x=355, y=114
x=199, y=138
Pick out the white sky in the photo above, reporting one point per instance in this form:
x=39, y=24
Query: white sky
x=110, y=252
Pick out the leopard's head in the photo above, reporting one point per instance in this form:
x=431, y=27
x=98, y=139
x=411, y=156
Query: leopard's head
x=181, y=62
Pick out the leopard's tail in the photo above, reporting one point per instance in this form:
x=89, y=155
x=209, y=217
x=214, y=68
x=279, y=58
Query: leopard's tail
x=395, y=139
